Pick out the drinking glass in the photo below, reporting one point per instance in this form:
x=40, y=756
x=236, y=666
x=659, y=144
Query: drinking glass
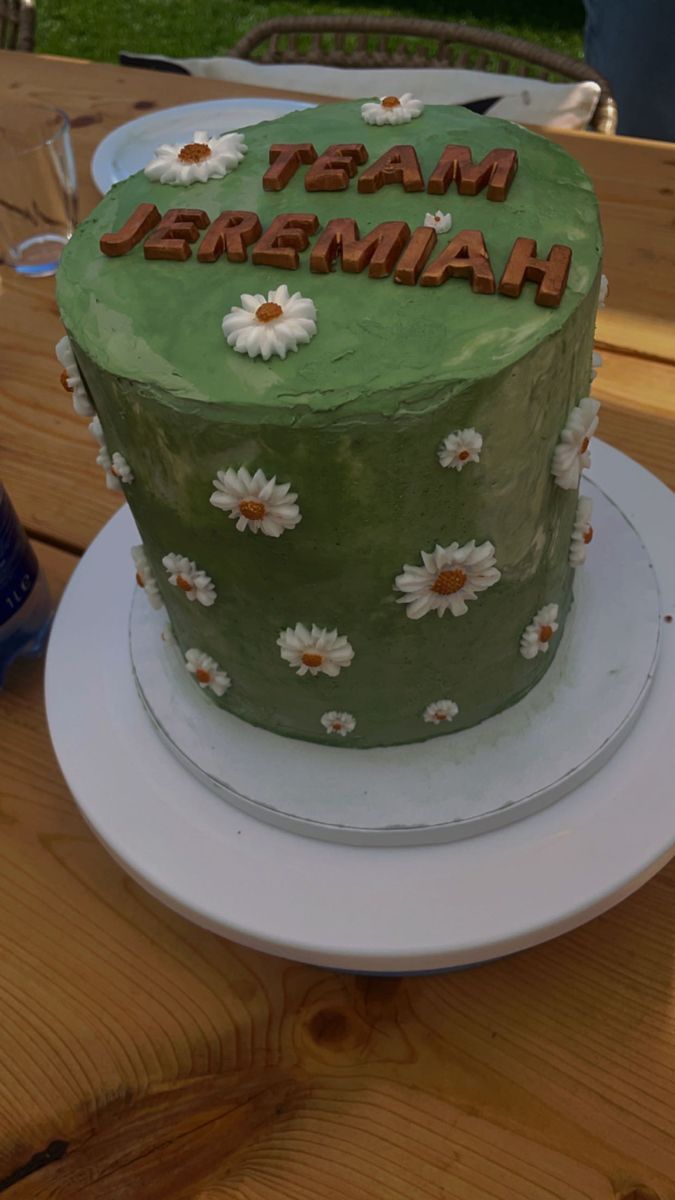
x=38, y=188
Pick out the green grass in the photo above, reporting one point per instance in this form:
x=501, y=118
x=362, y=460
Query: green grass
x=182, y=28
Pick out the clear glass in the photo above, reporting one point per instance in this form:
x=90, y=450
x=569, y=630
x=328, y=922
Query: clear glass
x=38, y=187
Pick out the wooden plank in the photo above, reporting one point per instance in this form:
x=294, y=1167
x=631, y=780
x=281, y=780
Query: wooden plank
x=639, y=262
x=630, y=170
x=162, y=1062
x=47, y=455
x=635, y=182
x=99, y=96
x=638, y=410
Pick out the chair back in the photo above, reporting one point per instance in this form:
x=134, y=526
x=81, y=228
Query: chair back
x=17, y=24
x=362, y=41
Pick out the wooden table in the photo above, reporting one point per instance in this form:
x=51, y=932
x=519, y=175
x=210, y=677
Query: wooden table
x=142, y=1058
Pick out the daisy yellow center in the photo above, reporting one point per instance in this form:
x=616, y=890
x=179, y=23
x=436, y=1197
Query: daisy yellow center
x=140, y=580
x=253, y=510
x=441, y=716
x=311, y=660
x=194, y=152
x=463, y=455
x=64, y=381
x=390, y=102
x=183, y=583
x=115, y=471
x=337, y=725
x=449, y=582
x=584, y=445
x=588, y=535
x=268, y=312
x=202, y=675
x=545, y=633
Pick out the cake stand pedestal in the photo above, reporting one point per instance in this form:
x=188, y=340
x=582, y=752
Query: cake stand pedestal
x=399, y=908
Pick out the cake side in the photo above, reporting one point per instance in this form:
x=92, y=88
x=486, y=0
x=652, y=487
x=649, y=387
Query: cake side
x=371, y=495
x=372, y=498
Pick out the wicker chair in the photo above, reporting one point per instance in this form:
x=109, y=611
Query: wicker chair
x=408, y=42
x=17, y=24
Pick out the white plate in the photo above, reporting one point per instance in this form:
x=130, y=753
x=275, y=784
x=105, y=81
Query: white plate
x=359, y=908
x=128, y=148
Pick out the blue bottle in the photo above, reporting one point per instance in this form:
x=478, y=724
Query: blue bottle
x=25, y=606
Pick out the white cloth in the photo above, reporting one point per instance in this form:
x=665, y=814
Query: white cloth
x=512, y=97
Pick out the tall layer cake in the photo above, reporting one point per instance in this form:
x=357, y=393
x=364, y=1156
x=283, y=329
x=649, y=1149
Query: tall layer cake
x=351, y=430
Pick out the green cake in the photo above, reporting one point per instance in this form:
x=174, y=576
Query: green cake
x=353, y=463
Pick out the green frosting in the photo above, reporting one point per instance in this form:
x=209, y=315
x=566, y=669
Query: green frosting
x=353, y=421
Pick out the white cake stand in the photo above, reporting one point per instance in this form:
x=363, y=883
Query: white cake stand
x=394, y=909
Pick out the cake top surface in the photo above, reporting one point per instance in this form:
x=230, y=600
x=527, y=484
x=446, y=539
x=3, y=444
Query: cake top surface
x=380, y=347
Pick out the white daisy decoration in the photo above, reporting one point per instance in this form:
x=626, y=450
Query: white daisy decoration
x=319, y=651
x=71, y=380
x=144, y=576
x=392, y=110
x=449, y=576
x=207, y=672
x=604, y=290
x=440, y=712
x=596, y=363
x=340, y=723
x=96, y=430
x=117, y=469
x=263, y=327
x=582, y=533
x=120, y=468
x=536, y=638
x=256, y=502
x=185, y=575
x=571, y=454
x=440, y=221
x=201, y=159
x=460, y=448
x=105, y=462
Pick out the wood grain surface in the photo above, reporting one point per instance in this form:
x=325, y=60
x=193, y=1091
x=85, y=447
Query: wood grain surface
x=635, y=182
x=47, y=455
x=142, y=1058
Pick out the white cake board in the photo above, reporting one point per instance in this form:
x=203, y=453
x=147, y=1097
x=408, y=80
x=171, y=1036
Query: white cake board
x=450, y=787
x=399, y=909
